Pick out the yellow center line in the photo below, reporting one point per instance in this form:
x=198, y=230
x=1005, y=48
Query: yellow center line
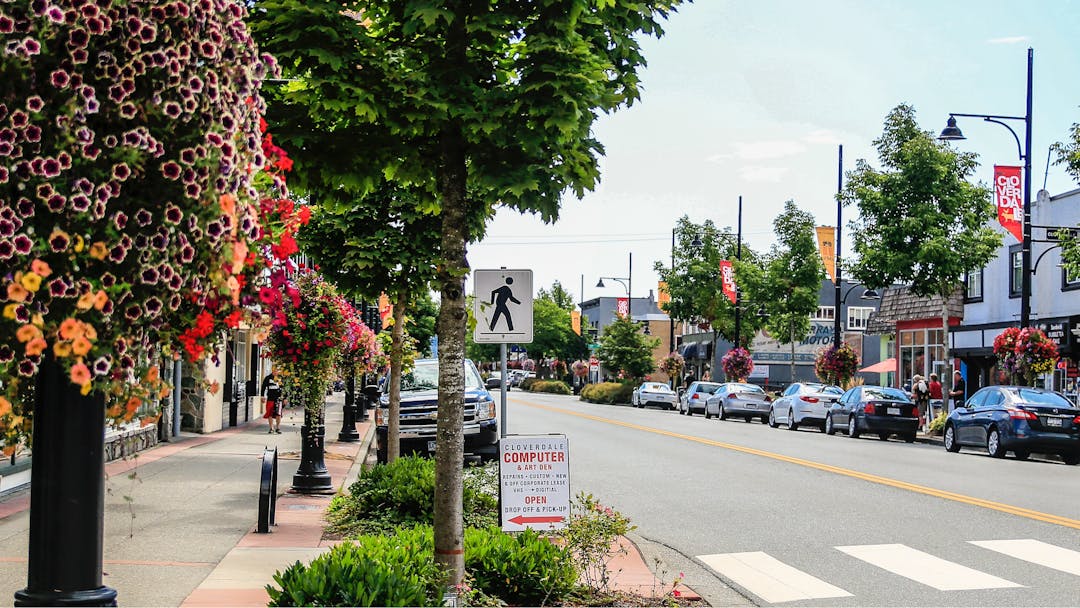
x=886, y=481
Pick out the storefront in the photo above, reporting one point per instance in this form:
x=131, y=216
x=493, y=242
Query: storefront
x=1065, y=332
x=920, y=349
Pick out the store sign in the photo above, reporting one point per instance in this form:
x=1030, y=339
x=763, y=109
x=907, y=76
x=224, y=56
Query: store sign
x=1056, y=331
x=534, y=482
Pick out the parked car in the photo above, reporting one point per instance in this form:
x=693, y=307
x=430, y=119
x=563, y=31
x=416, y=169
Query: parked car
x=419, y=408
x=654, y=393
x=1020, y=419
x=695, y=396
x=738, y=399
x=803, y=403
x=874, y=409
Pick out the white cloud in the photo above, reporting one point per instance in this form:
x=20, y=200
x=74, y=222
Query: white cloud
x=763, y=150
x=1007, y=40
x=719, y=158
x=752, y=173
x=822, y=136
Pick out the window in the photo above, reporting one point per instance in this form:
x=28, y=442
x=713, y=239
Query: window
x=973, y=286
x=857, y=316
x=824, y=313
x=1016, y=271
x=1069, y=279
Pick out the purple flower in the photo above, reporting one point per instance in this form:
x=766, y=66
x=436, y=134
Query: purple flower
x=34, y=103
x=193, y=191
x=78, y=38
x=51, y=167
x=7, y=249
x=44, y=190
x=19, y=119
x=84, y=185
x=159, y=242
x=79, y=56
x=173, y=215
x=117, y=254
x=31, y=46
x=126, y=362
x=143, y=217
x=174, y=301
x=56, y=203
x=108, y=280
x=172, y=109
x=175, y=282
x=23, y=244
x=58, y=242
x=121, y=171
x=153, y=306
x=32, y=134
x=187, y=254
x=7, y=26
x=132, y=313
x=58, y=287
x=27, y=368
x=25, y=207
x=141, y=241
x=7, y=228
x=65, y=160
x=55, y=14
x=22, y=315
x=128, y=110
x=7, y=355
x=60, y=79
x=102, y=365
x=150, y=276
x=80, y=202
x=171, y=170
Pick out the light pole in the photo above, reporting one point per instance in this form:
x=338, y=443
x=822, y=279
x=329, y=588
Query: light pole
x=836, y=243
x=671, y=319
x=951, y=132
x=867, y=294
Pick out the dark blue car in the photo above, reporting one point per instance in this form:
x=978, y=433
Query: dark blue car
x=1020, y=419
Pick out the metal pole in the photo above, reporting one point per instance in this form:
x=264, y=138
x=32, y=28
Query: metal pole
x=836, y=258
x=502, y=391
x=177, y=376
x=738, y=298
x=629, y=287
x=1025, y=255
x=671, y=319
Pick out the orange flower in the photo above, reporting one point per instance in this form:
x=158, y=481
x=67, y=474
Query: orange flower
x=132, y=405
x=80, y=346
x=89, y=331
x=16, y=292
x=27, y=332
x=80, y=374
x=152, y=374
x=100, y=299
x=113, y=411
x=69, y=328
x=40, y=268
x=31, y=281
x=86, y=301
x=36, y=346
x=98, y=250
x=5, y=406
x=61, y=349
x=228, y=204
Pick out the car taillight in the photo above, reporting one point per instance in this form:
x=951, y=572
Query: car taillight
x=1021, y=415
x=1076, y=420
x=768, y=399
x=695, y=396
x=809, y=399
x=868, y=408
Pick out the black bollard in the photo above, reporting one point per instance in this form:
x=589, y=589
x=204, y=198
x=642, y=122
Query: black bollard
x=67, y=496
x=348, y=433
x=312, y=477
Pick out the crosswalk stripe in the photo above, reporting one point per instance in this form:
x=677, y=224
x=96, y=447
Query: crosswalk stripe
x=769, y=578
x=924, y=568
x=1036, y=552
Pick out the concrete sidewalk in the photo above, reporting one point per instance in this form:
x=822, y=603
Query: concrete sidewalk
x=180, y=519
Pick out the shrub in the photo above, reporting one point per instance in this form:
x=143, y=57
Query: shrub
x=607, y=392
x=396, y=570
x=937, y=425
x=402, y=493
x=557, y=387
x=526, y=383
x=589, y=537
x=524, y=569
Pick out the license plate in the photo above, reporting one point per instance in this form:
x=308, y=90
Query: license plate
x=431, y=446
x=1053, y=422
x=892, y=411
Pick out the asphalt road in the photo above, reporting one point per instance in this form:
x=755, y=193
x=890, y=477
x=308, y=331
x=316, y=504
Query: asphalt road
x=754, y=515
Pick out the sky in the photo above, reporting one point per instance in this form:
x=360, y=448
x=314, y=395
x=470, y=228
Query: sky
x=754, y=97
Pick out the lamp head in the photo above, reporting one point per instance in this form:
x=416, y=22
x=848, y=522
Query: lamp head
x=696, y=243
x=951, y=132
x=600, y=283
x=870, y=294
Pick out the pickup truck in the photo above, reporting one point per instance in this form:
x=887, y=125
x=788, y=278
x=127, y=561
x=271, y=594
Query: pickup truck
x=419, y=407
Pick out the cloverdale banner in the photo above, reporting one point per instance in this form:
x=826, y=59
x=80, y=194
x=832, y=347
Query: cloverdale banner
x=1009, y=199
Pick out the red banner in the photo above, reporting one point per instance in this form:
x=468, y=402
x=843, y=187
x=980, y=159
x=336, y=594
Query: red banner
x=622, y=307
x=727, y=279
x=1010, y=200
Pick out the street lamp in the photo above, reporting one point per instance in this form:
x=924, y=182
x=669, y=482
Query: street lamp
x=738, y=256
x=867, y=294
x=626, y=282
x=951, y=132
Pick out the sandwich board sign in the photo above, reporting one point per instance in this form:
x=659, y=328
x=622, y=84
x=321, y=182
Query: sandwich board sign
x=503, y=306
x=534, y=482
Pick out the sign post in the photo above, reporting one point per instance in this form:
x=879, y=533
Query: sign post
x=503, y=309
x=534, y=482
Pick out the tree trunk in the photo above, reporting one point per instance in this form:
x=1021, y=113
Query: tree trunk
x=449, y=450
x=393, y=423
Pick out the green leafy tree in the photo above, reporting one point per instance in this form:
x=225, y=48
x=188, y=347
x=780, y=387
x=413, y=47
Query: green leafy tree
x=625, y=350
x=476, y=102
x=553, y=333
x=788, y=288
x=1068, y=154
x=921, y=221
x=558, y=296
x=421, y=321
x=694, y=283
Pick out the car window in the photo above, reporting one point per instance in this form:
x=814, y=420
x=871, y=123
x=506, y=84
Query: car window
x=707, y=387
x=747, y=388
x=1038, y=397
x=833, y=390
x=977, y=399
x=994, y=397
x=425, y=377
x=811, y=387
x=656, y=387
x=850, y=395
x=882, y=392
x=791, y=390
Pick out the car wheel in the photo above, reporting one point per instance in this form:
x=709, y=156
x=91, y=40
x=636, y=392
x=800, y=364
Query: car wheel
x=791, y=424
x=830, y=428
x=772, y=419
x=1022, y=454
x=1070, y=459
x=764, y=420
x=853, y=428
x=707, y=414
x=883, y=436
x=909, y=438
x=993, y=444
x=951, y=445
x=748, y=419
x=723, y=414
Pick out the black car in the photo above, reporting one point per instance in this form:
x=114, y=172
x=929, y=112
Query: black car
x=879, y=410
x=1020, y=419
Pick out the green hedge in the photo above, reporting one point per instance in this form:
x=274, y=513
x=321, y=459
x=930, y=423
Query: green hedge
x=557, y=387
x=524, y=569
x=607, y=392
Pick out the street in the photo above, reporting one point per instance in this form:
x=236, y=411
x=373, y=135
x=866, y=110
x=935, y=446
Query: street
x=801, y=518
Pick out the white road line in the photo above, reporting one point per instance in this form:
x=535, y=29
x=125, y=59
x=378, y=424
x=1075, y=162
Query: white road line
x=1036, y=552
x=769, y=578
x=925, y=568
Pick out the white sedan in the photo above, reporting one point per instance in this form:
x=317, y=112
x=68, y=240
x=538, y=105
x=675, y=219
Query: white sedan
x=804, y=403
x=654, y=393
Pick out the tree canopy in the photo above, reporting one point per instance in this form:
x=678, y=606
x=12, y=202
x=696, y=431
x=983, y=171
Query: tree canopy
x=625, y=350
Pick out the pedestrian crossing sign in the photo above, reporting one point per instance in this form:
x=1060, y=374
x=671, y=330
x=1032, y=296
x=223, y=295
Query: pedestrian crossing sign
x=503, y=306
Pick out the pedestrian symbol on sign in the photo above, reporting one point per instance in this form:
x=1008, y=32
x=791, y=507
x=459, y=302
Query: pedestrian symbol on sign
x=498, y=298
x=503, y=306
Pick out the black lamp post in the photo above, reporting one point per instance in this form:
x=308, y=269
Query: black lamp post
x=836, y=249
x=348, y=432
x=951, y=132
x=626, y=282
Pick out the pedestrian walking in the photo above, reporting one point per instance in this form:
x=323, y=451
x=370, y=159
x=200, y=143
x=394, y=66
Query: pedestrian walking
x=271, y=390
x=921, y=394
x=935, y=387
x=958, y=394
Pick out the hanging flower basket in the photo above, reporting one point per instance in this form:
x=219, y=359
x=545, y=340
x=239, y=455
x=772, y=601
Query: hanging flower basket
x=1025, y=353
x=836, y=365
x=580, y=368
x=737, y=364
x=672, y=365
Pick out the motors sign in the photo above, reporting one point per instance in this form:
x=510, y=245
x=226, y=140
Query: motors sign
x=534, y=482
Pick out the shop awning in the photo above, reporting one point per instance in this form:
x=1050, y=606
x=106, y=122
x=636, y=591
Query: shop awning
x=888, y=365
x=694, y=350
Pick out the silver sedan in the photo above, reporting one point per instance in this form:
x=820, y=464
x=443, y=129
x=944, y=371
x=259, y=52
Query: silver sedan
x=738, y=399
x=804, y=403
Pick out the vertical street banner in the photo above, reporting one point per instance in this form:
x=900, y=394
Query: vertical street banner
x=386, y=310
x=1010, y=200
x=727, y=279
x=575, y=321
x=826, y=238
x=662, y=295
x=622, y=307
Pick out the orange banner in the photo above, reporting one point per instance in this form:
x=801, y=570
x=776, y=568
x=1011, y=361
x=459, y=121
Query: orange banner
x=662, y=295
x=826, y=236
x=727, y=280
x=386, y=311
x=575, y=321
x=1010, y=200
